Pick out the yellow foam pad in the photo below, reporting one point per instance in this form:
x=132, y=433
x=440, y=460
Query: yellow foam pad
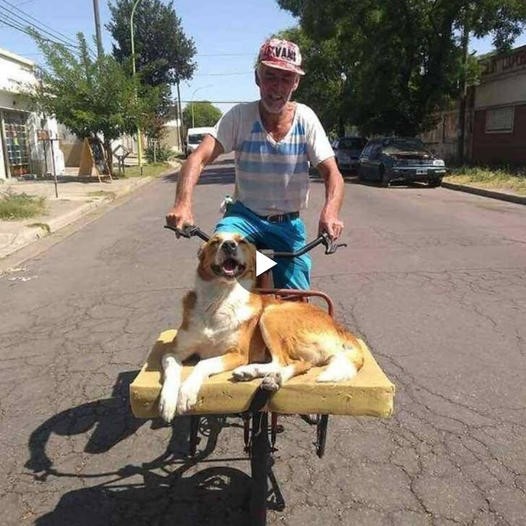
x=369, y=393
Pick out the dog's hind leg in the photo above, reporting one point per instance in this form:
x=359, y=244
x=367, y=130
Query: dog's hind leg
x=274, y=380
x=284, y=367
x=255, y=370
x=202, y=370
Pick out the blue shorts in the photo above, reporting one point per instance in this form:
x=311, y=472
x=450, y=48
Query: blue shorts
x=289, y=273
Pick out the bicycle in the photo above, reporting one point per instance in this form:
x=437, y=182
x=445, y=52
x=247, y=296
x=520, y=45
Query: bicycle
x=254, y=404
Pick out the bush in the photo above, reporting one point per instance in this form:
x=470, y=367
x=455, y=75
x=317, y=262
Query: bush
x=159, y=154
x=20, y=206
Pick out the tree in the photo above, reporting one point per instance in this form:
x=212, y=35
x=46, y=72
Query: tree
x=402, y=60
x=322, y=87
x=92, y=97
x=163, y=53
x=200, y=113
x=164, y=56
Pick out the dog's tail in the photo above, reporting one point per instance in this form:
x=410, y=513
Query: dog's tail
x=352, y=347
x=345, y=364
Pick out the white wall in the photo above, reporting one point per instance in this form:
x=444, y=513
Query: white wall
x=16, y=75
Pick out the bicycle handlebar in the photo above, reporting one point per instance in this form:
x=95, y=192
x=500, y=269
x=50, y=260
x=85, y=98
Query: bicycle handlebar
x=188, y=232
x=324, y=239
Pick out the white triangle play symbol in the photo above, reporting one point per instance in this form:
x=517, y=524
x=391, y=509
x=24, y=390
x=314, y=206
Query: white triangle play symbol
x=263, y=263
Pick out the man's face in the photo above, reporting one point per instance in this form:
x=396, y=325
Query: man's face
x=276, y=87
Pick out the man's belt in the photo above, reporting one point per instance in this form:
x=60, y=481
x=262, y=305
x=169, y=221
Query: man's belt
x=280, y=218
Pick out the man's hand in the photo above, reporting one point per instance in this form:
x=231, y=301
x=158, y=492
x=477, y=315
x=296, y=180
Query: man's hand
x=179, y=216
x=331, y=224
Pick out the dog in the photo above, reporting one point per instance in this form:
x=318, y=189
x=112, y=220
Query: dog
x=230, y=327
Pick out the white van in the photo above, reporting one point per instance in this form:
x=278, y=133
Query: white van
x=194, y=136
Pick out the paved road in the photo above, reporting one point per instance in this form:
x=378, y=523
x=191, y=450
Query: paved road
x=433, y=279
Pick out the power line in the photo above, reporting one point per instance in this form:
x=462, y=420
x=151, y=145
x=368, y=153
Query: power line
x=35, y=23
x=21, y=21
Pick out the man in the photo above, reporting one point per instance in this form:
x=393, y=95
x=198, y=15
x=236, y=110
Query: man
x=274, y=140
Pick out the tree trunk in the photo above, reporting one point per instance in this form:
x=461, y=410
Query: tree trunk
x=109, y=155
x=463, y=94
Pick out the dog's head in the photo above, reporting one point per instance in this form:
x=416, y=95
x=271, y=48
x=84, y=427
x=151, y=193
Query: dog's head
x=228, y=257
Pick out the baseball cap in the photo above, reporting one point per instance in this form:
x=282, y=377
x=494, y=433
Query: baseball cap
x=281, y=54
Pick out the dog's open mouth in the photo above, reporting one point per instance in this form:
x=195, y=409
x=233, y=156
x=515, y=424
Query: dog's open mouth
x=229, y=268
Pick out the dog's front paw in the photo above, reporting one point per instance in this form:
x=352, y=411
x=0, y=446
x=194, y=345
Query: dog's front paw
x=272, y=382
x=168, y=401
x=187, y=396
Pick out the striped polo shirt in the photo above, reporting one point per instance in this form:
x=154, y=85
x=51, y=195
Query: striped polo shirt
x=272, y=177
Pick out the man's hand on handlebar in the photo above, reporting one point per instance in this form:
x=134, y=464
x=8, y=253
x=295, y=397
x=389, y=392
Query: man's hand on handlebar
x=329, y=222
x=179, y=217
x=333, y=227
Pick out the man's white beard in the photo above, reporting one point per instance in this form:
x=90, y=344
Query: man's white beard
x=274, y=110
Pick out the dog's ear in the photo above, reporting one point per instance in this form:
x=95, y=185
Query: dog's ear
x=201, y=251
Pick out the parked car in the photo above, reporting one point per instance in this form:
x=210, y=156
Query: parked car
x=194, y=136
x=391, y=159
x=347, y=151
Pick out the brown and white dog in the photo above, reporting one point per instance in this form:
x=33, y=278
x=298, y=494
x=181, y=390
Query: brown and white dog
x=231, y=328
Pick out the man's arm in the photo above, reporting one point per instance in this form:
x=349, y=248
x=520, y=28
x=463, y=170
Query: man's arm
x=181, y=212
x=334, y=186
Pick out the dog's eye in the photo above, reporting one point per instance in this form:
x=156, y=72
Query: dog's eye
x=243, y=242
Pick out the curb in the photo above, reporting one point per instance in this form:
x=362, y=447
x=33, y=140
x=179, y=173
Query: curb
x=29, y=234
x=501, y=195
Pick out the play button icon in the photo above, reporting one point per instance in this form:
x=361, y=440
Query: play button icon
x=263, y=263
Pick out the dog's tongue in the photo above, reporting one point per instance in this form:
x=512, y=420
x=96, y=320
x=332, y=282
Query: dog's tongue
x=229, y=265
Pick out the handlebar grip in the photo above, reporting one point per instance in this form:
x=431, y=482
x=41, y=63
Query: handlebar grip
x=188, y=231
x=330, y=246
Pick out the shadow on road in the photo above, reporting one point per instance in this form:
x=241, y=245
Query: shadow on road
x=157, y=492
x=215, y=495
x=213, y=174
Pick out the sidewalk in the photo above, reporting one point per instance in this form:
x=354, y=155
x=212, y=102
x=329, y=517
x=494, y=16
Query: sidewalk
x=77, y=197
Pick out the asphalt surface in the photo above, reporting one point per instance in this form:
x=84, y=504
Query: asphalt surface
x=434, y=281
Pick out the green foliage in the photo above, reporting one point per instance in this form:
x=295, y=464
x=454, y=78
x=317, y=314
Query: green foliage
x=164, y=56
x=322, y=87
x=398, y=62
x=148, y=170
x=508, y=178
x=20, y=206
x=163, y=53
x=89, y=96
x=204, y=114
x=159, y=154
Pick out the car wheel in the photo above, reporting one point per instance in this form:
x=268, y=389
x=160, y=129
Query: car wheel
x=436, y=181
x=383, y=177
x=361, y=175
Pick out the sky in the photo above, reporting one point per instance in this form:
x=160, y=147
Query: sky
x=227, y=36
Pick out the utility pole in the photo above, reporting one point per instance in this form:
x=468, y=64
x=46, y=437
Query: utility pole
x=134, y=72
x=180, y=117
x=464, y=42
x=100, y=51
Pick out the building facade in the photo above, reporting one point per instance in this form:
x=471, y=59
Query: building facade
x=28, y=142
x=495, y=126
x=499, y=110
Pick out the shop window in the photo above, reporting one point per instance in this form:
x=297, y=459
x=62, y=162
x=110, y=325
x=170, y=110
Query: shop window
x=500, y=120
